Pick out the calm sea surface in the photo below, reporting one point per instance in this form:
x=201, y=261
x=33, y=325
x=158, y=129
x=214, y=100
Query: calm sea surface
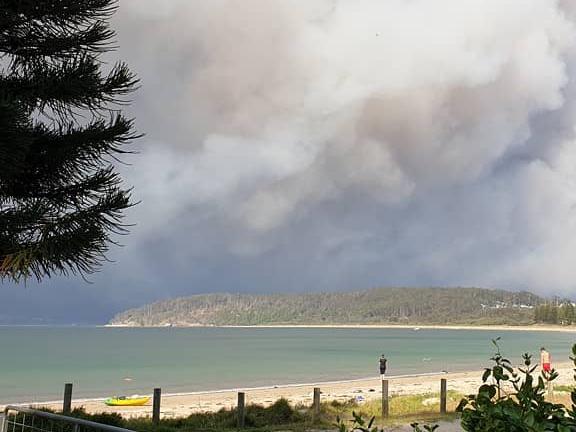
x=35, y=362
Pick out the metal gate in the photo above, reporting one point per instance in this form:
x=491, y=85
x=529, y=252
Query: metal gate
x=20, y=419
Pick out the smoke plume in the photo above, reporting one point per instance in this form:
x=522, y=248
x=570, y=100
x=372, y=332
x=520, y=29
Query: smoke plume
x=328, y=144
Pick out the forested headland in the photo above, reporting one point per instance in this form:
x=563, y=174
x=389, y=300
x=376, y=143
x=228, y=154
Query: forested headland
x=556, y=312
x=473, y=306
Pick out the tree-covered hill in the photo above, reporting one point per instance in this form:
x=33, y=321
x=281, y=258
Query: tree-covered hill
x=374, y=306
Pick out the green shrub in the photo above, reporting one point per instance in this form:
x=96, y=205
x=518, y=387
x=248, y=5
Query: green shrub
x=257, y=416
x=514, y=401
x=279, y=413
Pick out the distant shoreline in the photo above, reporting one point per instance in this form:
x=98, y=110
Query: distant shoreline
x=535, y=327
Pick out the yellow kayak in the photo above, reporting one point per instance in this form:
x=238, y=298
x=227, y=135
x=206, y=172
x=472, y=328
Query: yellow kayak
x=127, y=401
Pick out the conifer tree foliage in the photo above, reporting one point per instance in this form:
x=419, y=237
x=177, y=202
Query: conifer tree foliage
x=563, y=313
x=61, y=131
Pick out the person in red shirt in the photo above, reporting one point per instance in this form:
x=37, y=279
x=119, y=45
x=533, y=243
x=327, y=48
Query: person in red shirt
x=545, y=362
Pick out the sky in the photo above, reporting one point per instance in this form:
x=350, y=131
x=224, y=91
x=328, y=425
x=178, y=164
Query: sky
x=318, y=145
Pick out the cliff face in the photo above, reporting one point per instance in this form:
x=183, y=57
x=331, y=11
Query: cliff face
x=375, y=306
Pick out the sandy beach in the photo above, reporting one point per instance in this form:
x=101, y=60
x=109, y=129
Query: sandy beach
x=184, y=404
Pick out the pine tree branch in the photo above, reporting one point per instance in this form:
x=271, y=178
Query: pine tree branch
x=73, y=243
x=61, y=200
x=58, y=156
x=75, y=84
x=63, y=12
x=33, y=42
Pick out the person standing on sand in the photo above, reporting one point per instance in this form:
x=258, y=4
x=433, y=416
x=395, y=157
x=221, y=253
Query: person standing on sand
x=545, y=362
x=383, y=360
x=546, y=365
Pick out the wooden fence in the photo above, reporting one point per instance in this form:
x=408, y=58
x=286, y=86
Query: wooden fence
x=241, y=402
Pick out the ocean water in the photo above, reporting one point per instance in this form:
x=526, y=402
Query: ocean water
x=35, y=362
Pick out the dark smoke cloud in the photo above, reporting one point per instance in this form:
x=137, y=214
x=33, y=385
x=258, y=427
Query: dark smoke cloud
x=316, y=145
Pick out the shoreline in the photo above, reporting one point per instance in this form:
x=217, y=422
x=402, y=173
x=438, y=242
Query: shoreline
x=233, y=390
x=535, y=327
x=239, y=389
x=483, y=327
x=183, y=404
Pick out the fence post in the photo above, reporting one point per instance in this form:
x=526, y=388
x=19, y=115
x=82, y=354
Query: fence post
x=385, y=401
x=443, y=396
x=316, y=404
x=241, y=409
x=156, y=406
x=67, y=405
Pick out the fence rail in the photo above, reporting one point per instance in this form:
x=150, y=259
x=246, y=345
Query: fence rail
x=20, y=419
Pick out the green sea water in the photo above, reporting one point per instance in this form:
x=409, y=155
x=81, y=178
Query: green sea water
x=35, y=362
